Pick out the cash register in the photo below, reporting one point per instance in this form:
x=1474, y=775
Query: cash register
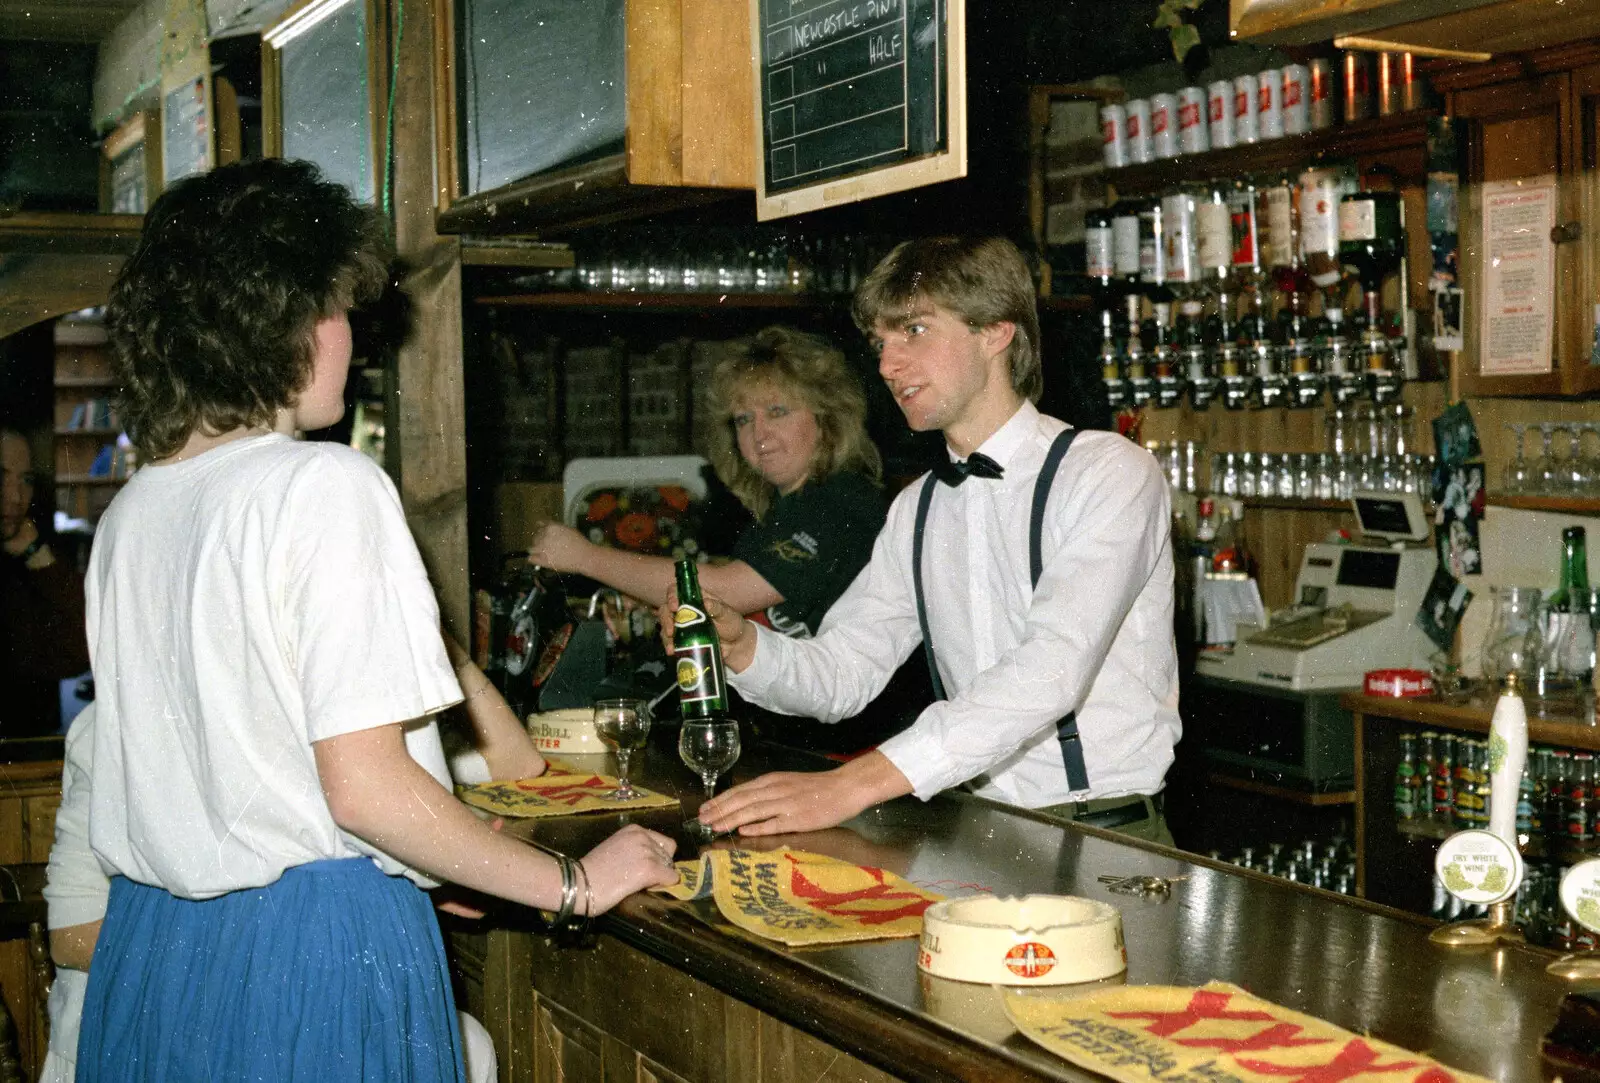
x=1355, y=607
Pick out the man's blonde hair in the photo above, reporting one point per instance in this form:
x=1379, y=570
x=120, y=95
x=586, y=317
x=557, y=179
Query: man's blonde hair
x=981, y=280
x=811, y=370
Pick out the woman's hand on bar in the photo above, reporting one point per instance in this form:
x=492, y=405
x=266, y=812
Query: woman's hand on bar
x=738, y=635
x=631, y=860
x=785, y=802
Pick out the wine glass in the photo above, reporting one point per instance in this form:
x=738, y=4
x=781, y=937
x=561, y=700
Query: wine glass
x=623, y=724
x=1518, y=475
x=1545, y=476
x=708, y=747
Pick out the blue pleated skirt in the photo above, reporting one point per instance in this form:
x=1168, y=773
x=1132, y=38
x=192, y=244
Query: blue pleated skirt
x=333, y=974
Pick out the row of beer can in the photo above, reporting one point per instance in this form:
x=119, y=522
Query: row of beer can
x=1253, y=107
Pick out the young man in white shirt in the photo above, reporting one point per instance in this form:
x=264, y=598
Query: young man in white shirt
x=1048, y=607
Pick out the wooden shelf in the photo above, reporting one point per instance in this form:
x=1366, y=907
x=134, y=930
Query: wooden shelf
x=64, y=431
x=1573, y=727
x=86, y=479
x=1399, y=132
x=1566, y=505
x=1282, y=793
x=86, y=381
x=1286, y=504
x=660, y=301
x=1537, y=847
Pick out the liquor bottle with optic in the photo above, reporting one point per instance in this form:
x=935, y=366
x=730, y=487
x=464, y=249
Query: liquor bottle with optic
x=1372, y=240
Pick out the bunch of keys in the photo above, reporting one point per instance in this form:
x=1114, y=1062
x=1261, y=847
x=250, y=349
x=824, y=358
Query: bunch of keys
x=1147, y=887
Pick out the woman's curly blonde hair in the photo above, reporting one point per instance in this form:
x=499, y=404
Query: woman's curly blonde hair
x=809, y=368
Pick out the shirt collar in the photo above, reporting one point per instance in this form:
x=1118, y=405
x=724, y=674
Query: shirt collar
x=1002, y=446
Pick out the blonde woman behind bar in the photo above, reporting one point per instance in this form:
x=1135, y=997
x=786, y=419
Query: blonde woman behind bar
x=790, y=441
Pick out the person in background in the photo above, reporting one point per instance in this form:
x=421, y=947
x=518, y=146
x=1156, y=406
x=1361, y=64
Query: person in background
x=41, y=605
x=1062, y=680
x=76, y=888
x=789, y=439
x=268, y=789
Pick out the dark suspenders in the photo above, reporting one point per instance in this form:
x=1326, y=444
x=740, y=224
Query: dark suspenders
x=1067, y=727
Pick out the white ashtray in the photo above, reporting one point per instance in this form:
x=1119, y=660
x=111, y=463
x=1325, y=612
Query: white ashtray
x=1032, y=940
x=570, y=730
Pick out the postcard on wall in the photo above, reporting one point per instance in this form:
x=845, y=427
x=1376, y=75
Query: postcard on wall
x=1519, y=271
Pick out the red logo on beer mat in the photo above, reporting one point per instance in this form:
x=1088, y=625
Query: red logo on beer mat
x=1030, y=960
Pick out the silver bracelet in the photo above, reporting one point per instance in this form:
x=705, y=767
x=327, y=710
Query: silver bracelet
x=588, y=894
x=569, y=890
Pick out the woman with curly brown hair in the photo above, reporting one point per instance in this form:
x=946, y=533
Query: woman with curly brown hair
x=268, y=785
x=790, y=440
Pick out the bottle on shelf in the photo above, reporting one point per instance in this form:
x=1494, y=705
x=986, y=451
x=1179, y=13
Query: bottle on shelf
x=1555, y=804
x=1344, y=378
x=1580, y=801
x=1372, y=240
x=1445, y=753
x=1568, y=652
x=1427, y=760
x=1166, y=371
x=1195, y=359
x=1407, y=780
x=1240, y=373
x=1214, y=248
x=1135, y=365
x=1111, y=363
x=1099, y=256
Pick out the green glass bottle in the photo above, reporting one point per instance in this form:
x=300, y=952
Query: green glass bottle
x=1572, y=596
x=702, y=684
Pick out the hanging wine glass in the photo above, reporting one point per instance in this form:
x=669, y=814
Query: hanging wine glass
x=1518, y=473
x=1543, y=470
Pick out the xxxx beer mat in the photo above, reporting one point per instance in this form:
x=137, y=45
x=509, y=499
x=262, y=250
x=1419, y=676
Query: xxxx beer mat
x=802, y=898
x=1215, y=1034
x=556, y=794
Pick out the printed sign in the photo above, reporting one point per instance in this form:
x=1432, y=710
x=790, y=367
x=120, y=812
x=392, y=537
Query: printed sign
x=556, y=794
x=803, y=898
x=1580, y=893
x=1478, y=867
x=1170, y=1034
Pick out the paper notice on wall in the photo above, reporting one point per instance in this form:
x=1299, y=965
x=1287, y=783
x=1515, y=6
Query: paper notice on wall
x=1519, y=265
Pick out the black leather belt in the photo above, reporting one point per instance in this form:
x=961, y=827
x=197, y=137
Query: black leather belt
x=1115, y=812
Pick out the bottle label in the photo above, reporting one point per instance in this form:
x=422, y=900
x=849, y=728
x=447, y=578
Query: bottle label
x=1215, y=234
x=1277, y=241
x=1358, y=220
x=697, y=673
x=1098, y=252
x=1125, y=244
x=688, y=615
x=1242, y=213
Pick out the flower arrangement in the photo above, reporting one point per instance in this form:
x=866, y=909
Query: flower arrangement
x=658, y=520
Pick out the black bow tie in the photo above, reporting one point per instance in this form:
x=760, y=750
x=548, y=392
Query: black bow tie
x=977, y=465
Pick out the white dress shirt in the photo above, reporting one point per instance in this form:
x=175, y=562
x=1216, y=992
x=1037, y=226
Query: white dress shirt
x=1095, y=637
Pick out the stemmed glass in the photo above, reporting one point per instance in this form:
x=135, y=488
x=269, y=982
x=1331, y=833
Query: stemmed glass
x=1574, y=469
x=1518, y=474
x=1544, y=467
x=708, y=747
x=623, y=724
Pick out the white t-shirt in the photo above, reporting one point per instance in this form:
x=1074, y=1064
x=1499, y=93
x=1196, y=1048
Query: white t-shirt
x=243, y=605
x=1095, y=636
x=75, y=893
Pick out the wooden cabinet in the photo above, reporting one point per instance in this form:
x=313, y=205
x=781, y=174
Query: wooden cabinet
x=689, y=107
x=27, y=830
x=612, y=1014
x=1533, y=117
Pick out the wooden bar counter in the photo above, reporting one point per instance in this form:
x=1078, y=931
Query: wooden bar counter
x=672, y=992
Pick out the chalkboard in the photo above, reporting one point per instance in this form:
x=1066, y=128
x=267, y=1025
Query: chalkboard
x=185, y=130
x=869, y=91
x=539, y=85
x=326, y=106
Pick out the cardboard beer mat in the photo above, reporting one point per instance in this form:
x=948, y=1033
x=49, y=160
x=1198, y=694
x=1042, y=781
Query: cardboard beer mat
x=556, y=793
x=801, y=898
x=1215, y=1034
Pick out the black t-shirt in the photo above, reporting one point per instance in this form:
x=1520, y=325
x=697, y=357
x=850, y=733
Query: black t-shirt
x=812, y=545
